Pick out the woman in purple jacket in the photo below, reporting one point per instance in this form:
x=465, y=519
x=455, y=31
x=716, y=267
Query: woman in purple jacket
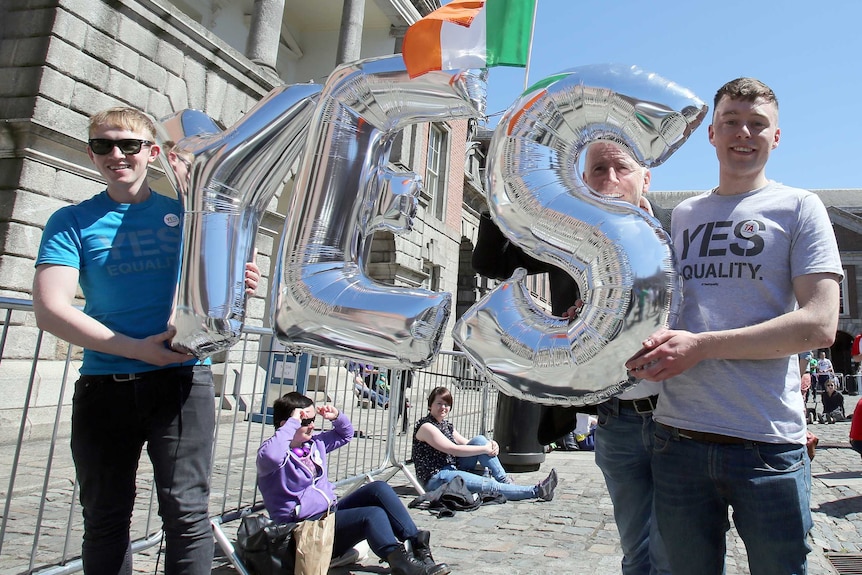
x=293, y=480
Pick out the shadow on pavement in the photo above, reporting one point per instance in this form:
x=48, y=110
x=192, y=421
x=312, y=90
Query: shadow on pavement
x=840, y=508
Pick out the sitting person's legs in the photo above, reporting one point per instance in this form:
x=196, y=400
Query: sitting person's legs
x=380, y=495
x=368, y=393
x=490, y=462
x=375, y=513
x=369, y=523
x=567, y=442
x=480, y=484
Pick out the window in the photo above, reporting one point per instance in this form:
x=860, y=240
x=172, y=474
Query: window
x=435, y=172
x=843, y=299
x=432, y=282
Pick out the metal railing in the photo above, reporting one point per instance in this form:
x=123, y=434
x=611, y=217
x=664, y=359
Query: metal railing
x=842, y=381
x=41, y=526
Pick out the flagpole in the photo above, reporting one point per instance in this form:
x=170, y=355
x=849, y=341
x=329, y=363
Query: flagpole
x=530, y=48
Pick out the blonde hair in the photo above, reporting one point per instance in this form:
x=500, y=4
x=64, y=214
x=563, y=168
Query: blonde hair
x=126, y=118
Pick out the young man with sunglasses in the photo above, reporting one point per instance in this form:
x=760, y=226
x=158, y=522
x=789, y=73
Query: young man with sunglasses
x=122, y=247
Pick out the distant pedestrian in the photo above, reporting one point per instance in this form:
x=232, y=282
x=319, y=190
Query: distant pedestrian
x=856, y=431
x=824, y=372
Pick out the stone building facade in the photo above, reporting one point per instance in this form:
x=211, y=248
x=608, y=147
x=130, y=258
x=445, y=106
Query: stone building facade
x=62, y=61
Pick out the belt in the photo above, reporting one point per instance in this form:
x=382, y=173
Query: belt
x=705, y=437
x=127, y=377
x=113, y=377
x=642, y=405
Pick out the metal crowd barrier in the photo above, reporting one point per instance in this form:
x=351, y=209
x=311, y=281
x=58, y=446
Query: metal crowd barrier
x=41, y=525
x=843, y=382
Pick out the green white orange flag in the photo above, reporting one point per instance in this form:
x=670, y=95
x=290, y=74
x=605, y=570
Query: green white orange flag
x=470, y=34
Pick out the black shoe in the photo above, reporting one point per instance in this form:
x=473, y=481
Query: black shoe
x=545, y=489
x=402, y=563
x=422, y=552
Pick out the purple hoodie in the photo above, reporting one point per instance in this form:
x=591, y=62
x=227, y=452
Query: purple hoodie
x=289, y=490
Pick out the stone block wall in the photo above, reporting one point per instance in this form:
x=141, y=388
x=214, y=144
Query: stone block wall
x=62, y=61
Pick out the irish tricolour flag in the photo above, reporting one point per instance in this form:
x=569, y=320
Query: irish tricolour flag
x=470, y=34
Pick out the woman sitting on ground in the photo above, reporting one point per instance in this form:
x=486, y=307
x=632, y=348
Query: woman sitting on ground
x=833, y=404
x=440, y=453
x=293, y=480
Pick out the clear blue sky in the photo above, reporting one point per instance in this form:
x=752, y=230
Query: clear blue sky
x=810, y=53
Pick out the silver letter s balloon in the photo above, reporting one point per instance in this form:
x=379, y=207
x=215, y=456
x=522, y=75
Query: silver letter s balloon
x=324, y=301
x=617, y=253
x=225, y=180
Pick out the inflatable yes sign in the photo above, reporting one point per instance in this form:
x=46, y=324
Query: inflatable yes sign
x=325, y=303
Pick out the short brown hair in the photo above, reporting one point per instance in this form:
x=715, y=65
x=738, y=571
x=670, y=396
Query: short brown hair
x=126, y=118
x=747, y=89
x=442, y=393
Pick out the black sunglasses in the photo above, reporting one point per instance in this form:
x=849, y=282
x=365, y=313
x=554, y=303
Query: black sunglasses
x=129, y=146
x=305, y=422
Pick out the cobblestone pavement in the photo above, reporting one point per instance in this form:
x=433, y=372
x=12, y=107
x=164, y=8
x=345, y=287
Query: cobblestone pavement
x=575, y=533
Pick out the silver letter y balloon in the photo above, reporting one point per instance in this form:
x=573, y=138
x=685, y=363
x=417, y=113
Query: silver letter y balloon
x=225, y=181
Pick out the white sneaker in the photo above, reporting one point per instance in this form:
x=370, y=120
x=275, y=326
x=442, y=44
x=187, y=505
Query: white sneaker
x=357, y=554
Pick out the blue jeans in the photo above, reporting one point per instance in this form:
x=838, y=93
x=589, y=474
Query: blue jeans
x=768, y=485
x=492, y=463
x=172, y=411
x=375, y=396
x=624, y=444
x=373, y=512
x=478, y=483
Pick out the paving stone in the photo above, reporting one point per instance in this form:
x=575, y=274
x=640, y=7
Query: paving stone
x=573, y=534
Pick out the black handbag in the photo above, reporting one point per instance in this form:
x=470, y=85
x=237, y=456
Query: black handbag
x=266, y=547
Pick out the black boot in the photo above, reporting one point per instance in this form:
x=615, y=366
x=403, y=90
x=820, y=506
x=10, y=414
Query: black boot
x=422, y=552
x=402, y=563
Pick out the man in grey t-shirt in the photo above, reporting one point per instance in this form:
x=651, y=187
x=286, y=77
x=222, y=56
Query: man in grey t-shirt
x=761, y=274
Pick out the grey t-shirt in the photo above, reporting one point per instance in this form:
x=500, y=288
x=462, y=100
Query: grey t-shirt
x=738, y=256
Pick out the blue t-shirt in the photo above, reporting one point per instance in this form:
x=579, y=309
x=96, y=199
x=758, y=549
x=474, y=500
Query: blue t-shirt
x=127, y=256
